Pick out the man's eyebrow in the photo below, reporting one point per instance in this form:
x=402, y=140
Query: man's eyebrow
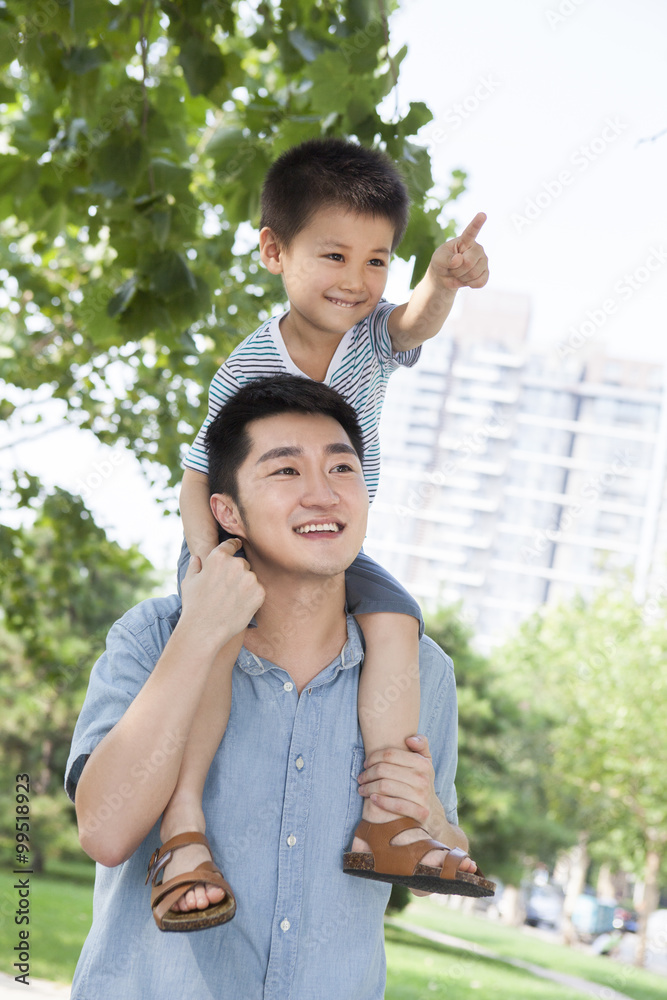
x=291, y=451
x=287, y=451
x=340, y=448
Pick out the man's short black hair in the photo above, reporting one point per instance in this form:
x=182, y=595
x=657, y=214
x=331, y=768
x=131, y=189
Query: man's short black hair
x=228, y=442
x=322, y=173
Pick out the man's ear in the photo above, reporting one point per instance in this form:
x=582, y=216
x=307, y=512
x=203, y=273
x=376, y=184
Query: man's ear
x=227, y=514
x=270, y=251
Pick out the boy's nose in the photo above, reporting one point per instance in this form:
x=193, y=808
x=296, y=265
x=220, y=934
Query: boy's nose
x=352, y=280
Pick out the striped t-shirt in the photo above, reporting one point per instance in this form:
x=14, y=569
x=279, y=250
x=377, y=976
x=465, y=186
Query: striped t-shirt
x=359, y=371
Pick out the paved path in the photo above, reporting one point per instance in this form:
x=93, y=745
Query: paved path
x=572, y=982
x=39, y=989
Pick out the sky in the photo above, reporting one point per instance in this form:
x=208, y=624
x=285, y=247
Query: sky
x=550, y=106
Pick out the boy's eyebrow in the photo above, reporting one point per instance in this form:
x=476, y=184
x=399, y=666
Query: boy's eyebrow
x=291, y=451
x=345, y=246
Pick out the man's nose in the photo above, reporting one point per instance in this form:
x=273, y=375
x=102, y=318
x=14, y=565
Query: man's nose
x=319, y=492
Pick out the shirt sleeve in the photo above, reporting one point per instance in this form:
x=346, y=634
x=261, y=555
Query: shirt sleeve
x=115, y=681
x=378, y=332
x=439, y=721
x=222, y=388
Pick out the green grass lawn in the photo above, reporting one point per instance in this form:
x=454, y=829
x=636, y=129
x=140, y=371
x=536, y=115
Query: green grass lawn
x=61, y=911
x=424, y=970
x=509, y=941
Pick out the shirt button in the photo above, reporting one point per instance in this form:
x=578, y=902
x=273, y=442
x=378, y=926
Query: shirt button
x=285, y=925
x=291, y=840
x=288, y=685
x=299, y=762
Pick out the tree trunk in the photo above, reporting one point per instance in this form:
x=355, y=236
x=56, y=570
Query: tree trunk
x=650, y=901
x=579, y=861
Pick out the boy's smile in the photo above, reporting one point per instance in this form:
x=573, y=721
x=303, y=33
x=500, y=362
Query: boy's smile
x=334, y=271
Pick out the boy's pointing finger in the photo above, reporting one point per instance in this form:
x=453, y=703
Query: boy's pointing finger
x=470, y=233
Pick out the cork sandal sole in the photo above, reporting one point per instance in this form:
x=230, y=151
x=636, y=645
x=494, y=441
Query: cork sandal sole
x=401, y=864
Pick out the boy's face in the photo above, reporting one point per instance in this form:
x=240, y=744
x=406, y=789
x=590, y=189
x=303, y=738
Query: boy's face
x=334, y=270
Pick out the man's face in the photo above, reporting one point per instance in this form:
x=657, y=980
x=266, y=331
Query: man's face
x=303, y=499
x=334, y=270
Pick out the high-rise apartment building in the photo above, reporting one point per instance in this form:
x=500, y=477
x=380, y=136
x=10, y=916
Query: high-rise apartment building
x=511, y=477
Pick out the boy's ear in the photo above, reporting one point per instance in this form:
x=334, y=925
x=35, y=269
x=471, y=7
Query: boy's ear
x=227, y=515
x=269, y=251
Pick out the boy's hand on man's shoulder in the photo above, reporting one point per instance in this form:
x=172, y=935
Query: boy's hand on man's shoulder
x=461, y=262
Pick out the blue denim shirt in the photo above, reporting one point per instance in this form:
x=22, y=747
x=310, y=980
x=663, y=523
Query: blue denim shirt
x=281, y=805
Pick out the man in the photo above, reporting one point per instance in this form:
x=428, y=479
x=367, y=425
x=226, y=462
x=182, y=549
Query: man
x=282, y=798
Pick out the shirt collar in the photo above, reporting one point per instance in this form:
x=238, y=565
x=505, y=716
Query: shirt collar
x=351, y=654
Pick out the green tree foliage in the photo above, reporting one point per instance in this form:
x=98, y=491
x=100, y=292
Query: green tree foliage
x=134, y=142
x=502, y=797
x=63, y=583
x=598, y=671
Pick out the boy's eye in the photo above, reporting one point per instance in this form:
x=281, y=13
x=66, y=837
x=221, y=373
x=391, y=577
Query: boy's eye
x=376, y=262
x=335, y=256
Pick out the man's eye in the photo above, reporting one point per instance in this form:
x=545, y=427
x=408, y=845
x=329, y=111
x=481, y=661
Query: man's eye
x=287, y=471
x=335, y=256
x=343, y=467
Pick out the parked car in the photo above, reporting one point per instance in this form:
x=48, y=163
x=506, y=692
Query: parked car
x=625, y=920
x=544, y=905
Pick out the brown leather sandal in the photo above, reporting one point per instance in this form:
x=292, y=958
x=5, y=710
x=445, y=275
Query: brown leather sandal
x=164, y=894
x=401, y=864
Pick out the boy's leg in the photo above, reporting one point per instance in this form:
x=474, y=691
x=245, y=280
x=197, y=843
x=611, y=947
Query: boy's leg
x=184, y=811
x=391, y=667
x=391, y=664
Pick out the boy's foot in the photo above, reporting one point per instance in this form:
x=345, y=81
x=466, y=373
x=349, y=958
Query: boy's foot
x=435, y=859
x=169, y=912
x=186, y=859
x=392, y=857
x=200, y=896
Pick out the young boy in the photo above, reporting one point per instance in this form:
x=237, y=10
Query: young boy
x=332, y=214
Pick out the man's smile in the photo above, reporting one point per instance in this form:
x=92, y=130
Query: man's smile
x=328, y=527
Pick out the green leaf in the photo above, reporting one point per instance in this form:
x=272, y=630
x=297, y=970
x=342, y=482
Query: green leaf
x=306, y=46
x=119, y=302
x=161, y=222
x=121, y=160
x=202, y=64
x=418, y=116
x=171, y=178
x=83, y=60
x=7, y=94
x=169, y=274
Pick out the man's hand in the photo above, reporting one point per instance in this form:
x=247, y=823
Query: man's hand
x=220, y=596
x=461, y=262
x=403, y=782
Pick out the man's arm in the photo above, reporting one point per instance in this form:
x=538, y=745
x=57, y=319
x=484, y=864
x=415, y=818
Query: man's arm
x=218, y=601
x=458, y=263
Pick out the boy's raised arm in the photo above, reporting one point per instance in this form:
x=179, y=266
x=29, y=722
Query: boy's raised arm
x=458, y=263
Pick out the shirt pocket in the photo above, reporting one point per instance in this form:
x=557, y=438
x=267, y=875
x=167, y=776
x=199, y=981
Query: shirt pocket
x=355, y=803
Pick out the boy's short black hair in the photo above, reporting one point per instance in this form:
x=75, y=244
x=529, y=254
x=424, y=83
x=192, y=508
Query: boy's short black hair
x=325, y=172
x=227, y=439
